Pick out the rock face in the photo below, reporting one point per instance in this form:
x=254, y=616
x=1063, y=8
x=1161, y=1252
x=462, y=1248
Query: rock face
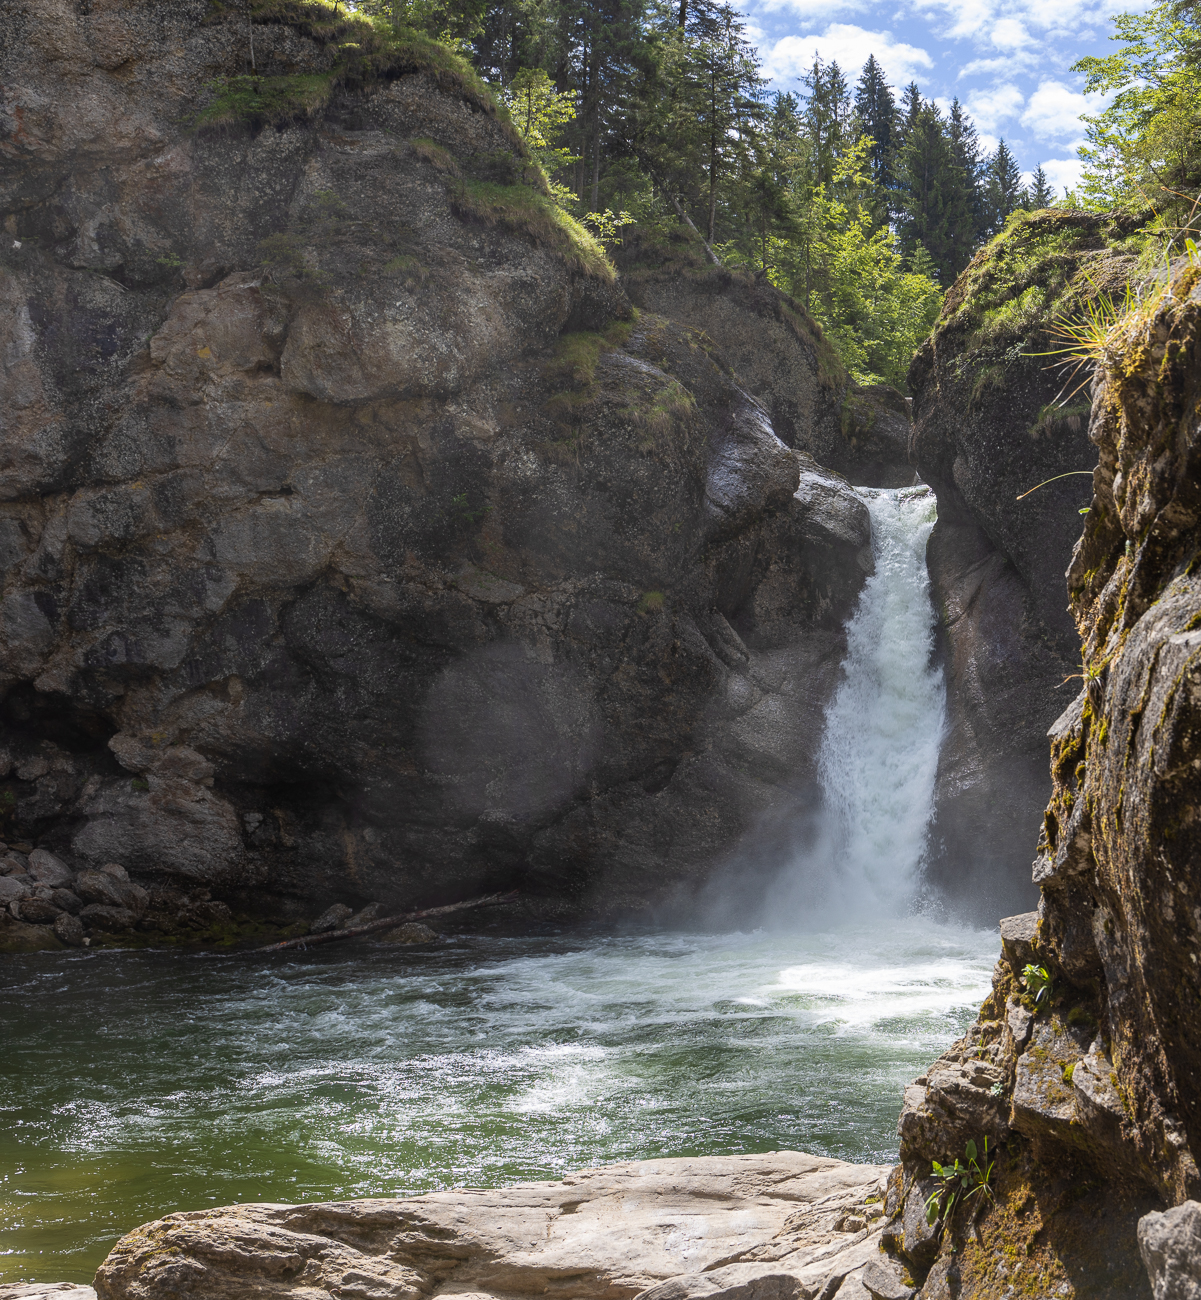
x=779, y=355
x=986, y=429
x=776, y=1225
x=1171, y=1248
x=359, y=543
x=1096, y=1084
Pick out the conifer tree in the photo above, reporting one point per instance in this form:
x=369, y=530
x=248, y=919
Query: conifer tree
x=911, y=107
x=877, y=113
x=965, y=148
x=936, y=197
x=1041, y=193
x=1002, y=188
x=827, y=118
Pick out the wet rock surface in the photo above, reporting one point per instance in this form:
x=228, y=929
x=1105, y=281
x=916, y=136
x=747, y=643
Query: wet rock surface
x=782, y=1225
x=360, y=547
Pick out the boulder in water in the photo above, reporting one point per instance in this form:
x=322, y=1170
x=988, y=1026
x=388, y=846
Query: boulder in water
x=333, y=918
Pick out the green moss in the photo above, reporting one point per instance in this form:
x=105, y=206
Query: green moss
x=431, y=151
x=573, y=362
x=262, y=101
x=670, y=404
x=651, y=602
x=525, y=211
x=407, y=269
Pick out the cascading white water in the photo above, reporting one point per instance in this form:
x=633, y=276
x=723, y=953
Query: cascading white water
x=879, y=750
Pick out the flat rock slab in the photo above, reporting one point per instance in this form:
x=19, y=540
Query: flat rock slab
x=779, y=1225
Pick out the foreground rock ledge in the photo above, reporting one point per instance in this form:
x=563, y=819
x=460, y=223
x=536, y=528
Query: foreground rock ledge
x=780, y=1226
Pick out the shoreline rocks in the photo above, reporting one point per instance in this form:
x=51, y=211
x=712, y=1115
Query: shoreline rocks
x=778, y=1226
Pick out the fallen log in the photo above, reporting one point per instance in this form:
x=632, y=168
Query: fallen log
x=387, y=923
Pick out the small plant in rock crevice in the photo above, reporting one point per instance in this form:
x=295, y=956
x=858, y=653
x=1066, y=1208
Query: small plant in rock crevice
x=960, y=1184
x=1039, y=985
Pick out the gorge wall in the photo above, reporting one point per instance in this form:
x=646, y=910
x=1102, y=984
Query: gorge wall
x=361, y=542
x=1091, y=1095
x=992, y=418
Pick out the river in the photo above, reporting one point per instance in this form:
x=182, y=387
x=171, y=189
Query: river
x=139, y=1083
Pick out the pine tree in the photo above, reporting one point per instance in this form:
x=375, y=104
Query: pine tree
x=1002, y=188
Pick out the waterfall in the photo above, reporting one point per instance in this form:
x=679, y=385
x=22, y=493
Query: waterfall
x=879, y=749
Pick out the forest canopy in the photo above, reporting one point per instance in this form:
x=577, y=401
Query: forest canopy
x=864, y=207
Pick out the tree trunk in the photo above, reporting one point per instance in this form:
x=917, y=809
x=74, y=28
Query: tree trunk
x=596, y=166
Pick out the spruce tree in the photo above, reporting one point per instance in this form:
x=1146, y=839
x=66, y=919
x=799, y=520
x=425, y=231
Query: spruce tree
x=1041, y=193
x=965, y=147
x=911, y=107
x=936, y=196
x=827, y=118
x=1002, y=188
x=877, y=112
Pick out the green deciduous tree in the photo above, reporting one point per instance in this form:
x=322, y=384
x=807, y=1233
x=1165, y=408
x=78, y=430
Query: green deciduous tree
x=1145, y=148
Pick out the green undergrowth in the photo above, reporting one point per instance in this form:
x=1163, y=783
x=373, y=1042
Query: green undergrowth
x=524, y=210
x=362, y=52
x=1039, y=266
x=264, y=101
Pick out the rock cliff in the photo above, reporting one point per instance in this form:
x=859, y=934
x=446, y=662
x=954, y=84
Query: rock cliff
x=1086, y=1076
x=992, y=419
x=779, y=354
x=361, y=542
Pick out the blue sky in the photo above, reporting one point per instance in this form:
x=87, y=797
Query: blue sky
x=1008, y=61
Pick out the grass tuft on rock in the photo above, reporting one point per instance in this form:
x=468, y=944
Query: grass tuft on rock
x=524, y=210
x=256, y=102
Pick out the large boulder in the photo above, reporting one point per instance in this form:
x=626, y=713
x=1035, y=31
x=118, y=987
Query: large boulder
x=772, y=1226
x=359, y=544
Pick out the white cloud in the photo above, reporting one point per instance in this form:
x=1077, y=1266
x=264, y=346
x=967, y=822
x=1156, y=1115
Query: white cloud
x=1063, y=173
x=810, y=10
x=792, y=56
x=1016, y=61
x=989, y=108
x=1053, y=112
x=1009, y=34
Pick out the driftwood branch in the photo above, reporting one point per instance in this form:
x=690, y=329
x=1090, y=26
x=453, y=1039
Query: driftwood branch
x=387, y=923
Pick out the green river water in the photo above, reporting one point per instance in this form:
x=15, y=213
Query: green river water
x=134, y=1084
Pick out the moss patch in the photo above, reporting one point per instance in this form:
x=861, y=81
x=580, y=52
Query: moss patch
x=1051, y=1232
